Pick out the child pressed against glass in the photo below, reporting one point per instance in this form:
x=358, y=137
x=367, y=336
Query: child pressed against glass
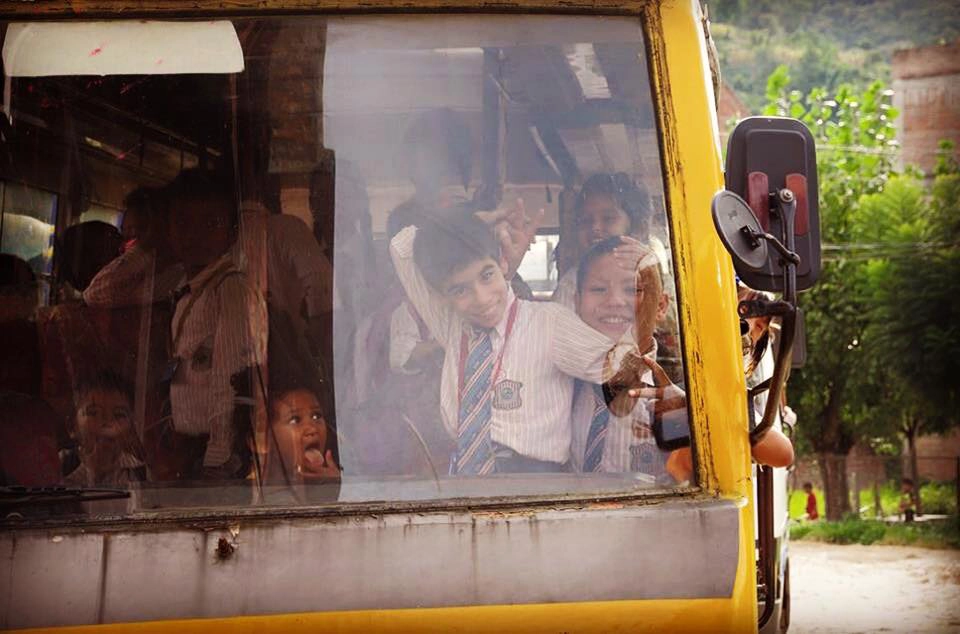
x=507, y=377
x=299, y=429
x=619, y=293
x=103, y=427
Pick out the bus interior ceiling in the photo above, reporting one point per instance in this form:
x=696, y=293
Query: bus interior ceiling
x=540, y=115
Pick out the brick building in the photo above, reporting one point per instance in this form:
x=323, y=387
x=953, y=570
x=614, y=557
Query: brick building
x=926, y=83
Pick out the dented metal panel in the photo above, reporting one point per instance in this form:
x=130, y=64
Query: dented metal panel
x=611, y=552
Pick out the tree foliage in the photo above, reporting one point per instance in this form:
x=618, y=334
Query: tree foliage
x=823, y=43
x=882, y=333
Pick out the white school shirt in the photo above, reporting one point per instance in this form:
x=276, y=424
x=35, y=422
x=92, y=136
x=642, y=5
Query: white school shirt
x=623, y=432
x=549, y=345
x=404, y=337
x=132, y=280
x=222, y=333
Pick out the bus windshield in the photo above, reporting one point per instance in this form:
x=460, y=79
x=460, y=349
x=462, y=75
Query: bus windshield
x=317, y=260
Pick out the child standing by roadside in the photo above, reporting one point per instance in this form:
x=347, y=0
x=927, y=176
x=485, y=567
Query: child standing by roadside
x=812, y=513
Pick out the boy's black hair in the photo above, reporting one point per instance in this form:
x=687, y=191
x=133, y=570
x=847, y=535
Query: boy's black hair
x=632, y=199
x=105, y=379
x=84, y=249
x=906, y=481
x=442, y=249
x=205, y=185
x=808, y=485
x=601, y=248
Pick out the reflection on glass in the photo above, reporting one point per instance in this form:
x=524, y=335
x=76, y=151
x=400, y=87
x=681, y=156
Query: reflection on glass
x=390, y=259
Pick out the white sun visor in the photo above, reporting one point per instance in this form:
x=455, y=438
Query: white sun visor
x=124, y=47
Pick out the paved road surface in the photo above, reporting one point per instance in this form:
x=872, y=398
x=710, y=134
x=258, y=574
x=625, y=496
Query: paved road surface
x=873, y=589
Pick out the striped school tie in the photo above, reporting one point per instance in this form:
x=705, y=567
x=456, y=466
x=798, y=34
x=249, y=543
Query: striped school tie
x=597, y=435
x=474, y=455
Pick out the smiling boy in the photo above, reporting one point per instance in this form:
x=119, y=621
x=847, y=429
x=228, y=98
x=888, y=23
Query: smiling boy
x=506, y=384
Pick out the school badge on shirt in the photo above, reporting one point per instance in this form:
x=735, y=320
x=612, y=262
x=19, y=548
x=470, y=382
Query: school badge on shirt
x=506, y=394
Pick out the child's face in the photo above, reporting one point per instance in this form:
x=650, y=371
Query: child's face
x=606, y=301
x=300, y=430
x=103, y=415
x=478, y=292
x=599, y=219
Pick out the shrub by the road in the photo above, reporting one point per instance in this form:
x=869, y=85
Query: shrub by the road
x=932, y=534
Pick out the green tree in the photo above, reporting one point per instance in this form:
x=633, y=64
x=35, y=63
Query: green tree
x=908, y=235
x=854, y=134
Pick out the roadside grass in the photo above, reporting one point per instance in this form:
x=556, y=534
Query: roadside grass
x=937, y=499
x=932, y=534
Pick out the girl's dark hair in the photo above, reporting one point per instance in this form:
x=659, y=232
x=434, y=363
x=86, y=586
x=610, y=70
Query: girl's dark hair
x=632, y=199
x=759, y=348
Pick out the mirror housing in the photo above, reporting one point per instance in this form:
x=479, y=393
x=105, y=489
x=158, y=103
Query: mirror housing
x=766, y=155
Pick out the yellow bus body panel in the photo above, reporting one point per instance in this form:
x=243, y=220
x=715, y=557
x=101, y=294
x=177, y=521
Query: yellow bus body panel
x=700, y=615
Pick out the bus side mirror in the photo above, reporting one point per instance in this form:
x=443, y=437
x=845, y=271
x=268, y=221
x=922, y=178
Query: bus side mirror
x=768, y=219
x=765, y=156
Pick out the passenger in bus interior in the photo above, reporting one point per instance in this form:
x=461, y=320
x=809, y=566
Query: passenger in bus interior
x=774, y=449
x=218, y=331
x=20, y=369
x=607, y=205
x=146, y=272
x=619, y=293
x=507, y=378
x=109, y=452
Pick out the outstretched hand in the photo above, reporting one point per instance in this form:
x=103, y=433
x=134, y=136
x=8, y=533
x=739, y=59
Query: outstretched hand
x=515, y=229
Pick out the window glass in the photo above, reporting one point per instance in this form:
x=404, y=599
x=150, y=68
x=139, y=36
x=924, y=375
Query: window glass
x=398, y=258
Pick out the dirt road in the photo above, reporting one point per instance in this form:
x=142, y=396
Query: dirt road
x=873, y=589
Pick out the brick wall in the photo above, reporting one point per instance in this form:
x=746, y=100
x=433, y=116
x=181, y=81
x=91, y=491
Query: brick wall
x=926, y=84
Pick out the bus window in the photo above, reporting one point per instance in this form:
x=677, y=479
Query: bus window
x=29, y=216
x=381, y=259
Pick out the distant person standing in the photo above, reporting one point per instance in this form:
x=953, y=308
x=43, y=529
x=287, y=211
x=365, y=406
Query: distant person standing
x=908, y=503
x=812, y=513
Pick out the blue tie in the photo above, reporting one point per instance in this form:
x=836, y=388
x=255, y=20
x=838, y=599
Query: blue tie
x=597, y=435
x=474, y=455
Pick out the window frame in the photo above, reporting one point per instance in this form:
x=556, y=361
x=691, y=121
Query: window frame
x=648, y=14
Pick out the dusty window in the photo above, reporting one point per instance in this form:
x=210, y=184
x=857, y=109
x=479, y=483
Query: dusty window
x=335, y=260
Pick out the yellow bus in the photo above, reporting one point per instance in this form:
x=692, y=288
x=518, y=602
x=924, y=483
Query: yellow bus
x=219, y=410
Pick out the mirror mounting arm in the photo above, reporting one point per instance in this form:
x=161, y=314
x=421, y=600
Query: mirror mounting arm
x=783, y=202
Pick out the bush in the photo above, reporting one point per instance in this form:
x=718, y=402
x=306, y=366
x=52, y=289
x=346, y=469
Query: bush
x=937, y=534
x=939, y=498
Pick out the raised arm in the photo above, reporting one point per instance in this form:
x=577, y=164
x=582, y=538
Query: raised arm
x=431, y=308
x=577, y=349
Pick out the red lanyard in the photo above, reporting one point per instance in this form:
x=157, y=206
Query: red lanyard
x=511, y=318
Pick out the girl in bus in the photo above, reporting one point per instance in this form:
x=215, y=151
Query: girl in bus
x=607, y=206
x=301, y=447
